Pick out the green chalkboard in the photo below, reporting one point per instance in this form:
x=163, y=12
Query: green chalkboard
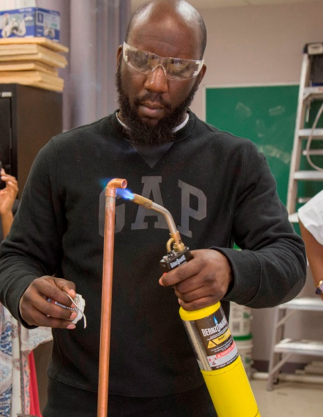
x=264, y=114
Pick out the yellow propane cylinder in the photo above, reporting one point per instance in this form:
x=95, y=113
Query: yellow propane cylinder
x=210, y=336
x=219, y=362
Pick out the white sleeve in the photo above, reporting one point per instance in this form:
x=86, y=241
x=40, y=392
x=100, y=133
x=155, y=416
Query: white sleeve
x=311, y=215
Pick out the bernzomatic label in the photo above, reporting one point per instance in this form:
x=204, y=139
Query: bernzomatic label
x=217, y=339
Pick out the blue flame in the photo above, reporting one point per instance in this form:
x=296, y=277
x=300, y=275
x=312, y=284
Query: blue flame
x=125, y=193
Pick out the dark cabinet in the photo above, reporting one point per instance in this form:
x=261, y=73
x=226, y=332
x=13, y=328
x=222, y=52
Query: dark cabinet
x=29, y=117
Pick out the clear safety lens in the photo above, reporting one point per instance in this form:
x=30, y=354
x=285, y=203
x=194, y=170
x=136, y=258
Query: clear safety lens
x=174, y=68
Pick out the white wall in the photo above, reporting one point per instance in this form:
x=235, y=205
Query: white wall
x=258, y=44
x=262, y=45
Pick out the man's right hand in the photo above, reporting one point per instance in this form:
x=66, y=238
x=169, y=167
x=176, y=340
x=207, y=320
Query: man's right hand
x=35, y=310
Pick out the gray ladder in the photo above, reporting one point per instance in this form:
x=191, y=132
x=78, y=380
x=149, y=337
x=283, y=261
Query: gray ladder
x=283, y=348
x=307, y=94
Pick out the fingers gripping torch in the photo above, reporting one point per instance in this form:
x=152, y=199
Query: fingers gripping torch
x=210, y=337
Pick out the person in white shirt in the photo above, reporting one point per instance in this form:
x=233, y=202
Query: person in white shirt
x=311, y=226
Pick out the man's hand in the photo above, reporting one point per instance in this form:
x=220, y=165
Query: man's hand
x=201, y=282
x=37, y=311
x=9, y=193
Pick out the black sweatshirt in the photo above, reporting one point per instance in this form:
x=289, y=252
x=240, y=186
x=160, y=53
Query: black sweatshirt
x=219, y=190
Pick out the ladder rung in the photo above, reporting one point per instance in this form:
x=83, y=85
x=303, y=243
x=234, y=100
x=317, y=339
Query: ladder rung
x=313, y=152
x=303, y=347
x=314, y=48
x=305, y=133
x=308, y=175
x=313, y=92
x=303, y=303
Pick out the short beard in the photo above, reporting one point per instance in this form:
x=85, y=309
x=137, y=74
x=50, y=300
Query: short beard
x=139, y=132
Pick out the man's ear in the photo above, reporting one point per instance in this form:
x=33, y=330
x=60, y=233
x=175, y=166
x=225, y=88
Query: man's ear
x=119, y=53
x=201, y=74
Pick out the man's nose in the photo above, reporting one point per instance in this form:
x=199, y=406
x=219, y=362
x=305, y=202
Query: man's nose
x=156, y=81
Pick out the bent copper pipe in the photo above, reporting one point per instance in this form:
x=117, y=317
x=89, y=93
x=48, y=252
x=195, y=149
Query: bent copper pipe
x=107, y=280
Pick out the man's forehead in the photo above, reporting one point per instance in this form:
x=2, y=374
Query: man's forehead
x=165, y=37
x=167, y=15
x=176, y=8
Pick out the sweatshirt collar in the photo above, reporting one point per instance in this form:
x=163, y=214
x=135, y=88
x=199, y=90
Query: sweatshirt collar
x=177, y=128
x=182, y=131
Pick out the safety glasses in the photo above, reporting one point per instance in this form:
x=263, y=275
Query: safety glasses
x=174, y=68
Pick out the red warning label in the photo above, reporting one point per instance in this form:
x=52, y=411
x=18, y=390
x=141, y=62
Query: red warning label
x=223, y=358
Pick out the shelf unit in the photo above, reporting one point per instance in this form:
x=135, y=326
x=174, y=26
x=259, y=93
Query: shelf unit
x=29, y=117
x=283, y=348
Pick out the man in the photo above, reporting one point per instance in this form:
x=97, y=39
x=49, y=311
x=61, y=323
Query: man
x=219, y=191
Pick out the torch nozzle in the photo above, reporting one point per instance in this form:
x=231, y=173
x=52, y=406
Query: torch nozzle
x=149, y=204
x=142, y=201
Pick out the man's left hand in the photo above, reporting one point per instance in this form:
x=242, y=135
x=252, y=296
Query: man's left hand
x=201, y=282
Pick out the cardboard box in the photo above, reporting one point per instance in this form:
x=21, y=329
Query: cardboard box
x=30, y=22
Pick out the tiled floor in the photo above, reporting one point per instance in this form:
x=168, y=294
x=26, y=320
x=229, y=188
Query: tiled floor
x=293, y=399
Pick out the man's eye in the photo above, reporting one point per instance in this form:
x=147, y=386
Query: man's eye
x=140, y=58
x=177, y=66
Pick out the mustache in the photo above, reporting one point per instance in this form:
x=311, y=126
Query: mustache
x=153, y=98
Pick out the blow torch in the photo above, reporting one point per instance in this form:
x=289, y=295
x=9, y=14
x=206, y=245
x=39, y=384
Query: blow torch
x=210, y=337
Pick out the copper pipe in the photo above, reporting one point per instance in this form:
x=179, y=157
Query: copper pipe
x=149, y=204
x=107, y=280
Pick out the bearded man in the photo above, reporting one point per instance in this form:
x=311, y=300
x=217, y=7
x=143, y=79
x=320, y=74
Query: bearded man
x=219, y=190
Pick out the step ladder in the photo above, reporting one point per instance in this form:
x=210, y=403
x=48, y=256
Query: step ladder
x=308, y=93
x=283, y=347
